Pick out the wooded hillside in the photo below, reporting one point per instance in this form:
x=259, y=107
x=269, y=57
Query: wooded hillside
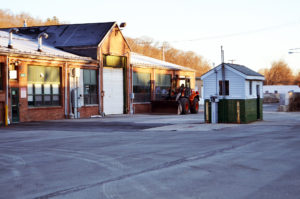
x=147, y=47
x=8, y=19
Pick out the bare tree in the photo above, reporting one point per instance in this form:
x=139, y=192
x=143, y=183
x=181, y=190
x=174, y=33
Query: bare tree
x=297, y=79
x=148, y=47
x=8, y=19
x=279, y=74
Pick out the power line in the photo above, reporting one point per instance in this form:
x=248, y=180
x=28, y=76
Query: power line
x=237, y=34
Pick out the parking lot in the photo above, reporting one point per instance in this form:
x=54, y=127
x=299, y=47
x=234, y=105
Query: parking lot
x=152, y=156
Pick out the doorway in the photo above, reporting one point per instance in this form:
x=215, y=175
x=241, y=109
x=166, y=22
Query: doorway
x=15, y=105
x=258, y=101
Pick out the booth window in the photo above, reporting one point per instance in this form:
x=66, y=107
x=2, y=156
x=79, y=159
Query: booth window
x=226, y=87
x=1, y=77
x=90, y=86
x=141, y=87
x=162, y=86
x=43, y=86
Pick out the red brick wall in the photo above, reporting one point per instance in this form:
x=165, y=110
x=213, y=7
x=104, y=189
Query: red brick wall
x=88, y=111
x=43, y=113
x=142, y=108
x=1, y=113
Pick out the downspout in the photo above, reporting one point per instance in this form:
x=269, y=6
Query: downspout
x=66, y=90
x=131, y=86
x=6, y=93
x=99, y=84
x=71, y=115
x=216, y=82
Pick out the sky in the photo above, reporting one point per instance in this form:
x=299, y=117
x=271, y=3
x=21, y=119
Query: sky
x=254, y=33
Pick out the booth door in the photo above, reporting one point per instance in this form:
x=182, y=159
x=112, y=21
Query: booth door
x=258, y=101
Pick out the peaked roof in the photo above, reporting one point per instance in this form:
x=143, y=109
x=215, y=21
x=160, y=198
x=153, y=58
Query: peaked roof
x=244, y=69
x=26, y=46
x=144, y=61
x=69, y=35
x=239, y=69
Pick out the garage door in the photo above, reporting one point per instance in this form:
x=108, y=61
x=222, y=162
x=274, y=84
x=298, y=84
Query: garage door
x=113, y=90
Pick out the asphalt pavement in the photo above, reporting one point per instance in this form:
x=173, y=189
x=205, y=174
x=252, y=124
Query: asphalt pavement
x=152, y=156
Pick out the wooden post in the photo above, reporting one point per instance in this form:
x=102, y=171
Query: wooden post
x=206, y=112
x=238, y=115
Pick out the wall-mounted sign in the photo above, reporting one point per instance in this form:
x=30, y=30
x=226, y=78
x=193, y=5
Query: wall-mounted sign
x=23, y=75
x=23, y=92
x=13, y=74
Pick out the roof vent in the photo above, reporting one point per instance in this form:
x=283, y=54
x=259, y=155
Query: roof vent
x=15, y=30
x=40, y=42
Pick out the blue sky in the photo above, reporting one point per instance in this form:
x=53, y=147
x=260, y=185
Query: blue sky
x=252, y=32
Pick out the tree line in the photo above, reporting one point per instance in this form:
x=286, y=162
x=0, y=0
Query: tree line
x=151, y=48
x=144, y=46
x=8, y=19
x=280, y=74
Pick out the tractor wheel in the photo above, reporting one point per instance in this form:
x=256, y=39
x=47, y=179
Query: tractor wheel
x=185, y=105
x=195, y=106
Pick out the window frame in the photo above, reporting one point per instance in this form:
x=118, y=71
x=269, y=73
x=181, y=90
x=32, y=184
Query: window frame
x=54, y=98
x=226, y=88
x=89, y=98
x=162, y=91
x=139, y=96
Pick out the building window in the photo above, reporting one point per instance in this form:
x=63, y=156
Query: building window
x=162, y=86
x=114, y=61
x=1, y=76
x=90, y=87
x=226, y=87
x=141, y=87
x=43, y=86
x=250, y=87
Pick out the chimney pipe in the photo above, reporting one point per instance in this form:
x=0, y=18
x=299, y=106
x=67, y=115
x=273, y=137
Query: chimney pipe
x=11, y=37
x=43, y=34
x=25, y=23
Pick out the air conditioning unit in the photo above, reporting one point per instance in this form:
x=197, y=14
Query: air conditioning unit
x=75, y=72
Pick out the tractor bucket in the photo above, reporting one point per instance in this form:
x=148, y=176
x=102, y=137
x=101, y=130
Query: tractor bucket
x=165, y=107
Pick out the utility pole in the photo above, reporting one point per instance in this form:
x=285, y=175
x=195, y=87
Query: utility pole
x=223, y=84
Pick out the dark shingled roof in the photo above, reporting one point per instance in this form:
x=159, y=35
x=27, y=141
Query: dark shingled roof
x=243, y=69
x=71, y=35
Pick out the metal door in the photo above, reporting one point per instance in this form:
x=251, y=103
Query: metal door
x=15, y=104
x=113, y=90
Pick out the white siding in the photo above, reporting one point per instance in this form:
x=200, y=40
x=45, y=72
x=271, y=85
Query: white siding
x=282, y=89
x=254, y=94
x=236, y=85
x=209, y=86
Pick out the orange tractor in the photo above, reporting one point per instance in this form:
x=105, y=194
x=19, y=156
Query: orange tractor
x=180, y=99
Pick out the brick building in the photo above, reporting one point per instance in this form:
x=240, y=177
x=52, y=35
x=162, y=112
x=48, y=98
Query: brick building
x=80, y=70
x=152, y=80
